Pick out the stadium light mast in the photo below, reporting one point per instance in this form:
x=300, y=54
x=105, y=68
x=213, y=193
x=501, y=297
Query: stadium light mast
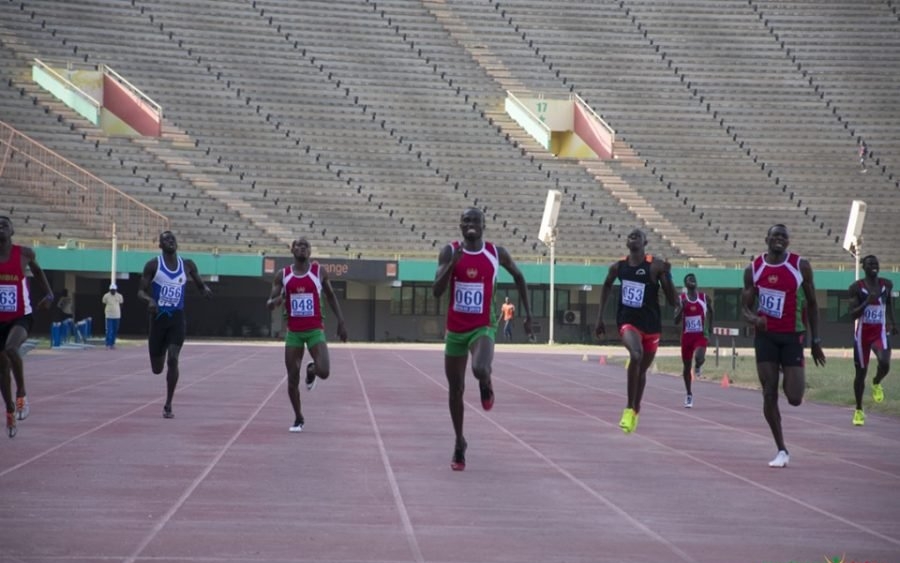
x=853, y=236
x=547, y=235
x=113, y=257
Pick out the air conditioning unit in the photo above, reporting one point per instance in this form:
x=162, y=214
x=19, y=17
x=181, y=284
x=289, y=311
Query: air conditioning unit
x=571, y=317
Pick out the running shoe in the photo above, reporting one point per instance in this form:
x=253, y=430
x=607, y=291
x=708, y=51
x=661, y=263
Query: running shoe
x=688, y=401
x=698, y=372
x=859, y=417
x=781, y=460
x=167, y=412
x=23, y=409
x=487, y=396
x=458, y=463
x=311, y=379
x=11, y=424
x=877, y=392
x=297, y=426
x=628, y=421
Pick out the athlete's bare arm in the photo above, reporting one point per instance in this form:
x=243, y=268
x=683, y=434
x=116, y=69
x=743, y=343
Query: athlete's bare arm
x=748, y=300
x=276, y=295
x=812, y=312
x=191, y=269
x=333, y=303
x=447, y=260
x=29, y=259
x=144, y=291
x=605, y=291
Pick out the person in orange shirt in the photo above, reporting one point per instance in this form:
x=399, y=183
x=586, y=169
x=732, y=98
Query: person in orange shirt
x=507, y=312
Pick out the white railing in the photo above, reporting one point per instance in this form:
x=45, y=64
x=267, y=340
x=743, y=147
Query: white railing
x=144, y=98
x=64, y=185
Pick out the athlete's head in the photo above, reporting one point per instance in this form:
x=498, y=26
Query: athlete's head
x=301, y=249
x=690, y=281
x=6, y=227
x=870, y=265
x=636, y=240
x=778, y=238
x=167, y=242
x=471, y=223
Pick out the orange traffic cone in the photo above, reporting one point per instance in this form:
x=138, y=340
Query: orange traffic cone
x=725, y=381
x=602, y=360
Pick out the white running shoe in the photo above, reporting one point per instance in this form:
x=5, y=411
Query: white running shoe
x=297, y=427
x=781, y=460
x=688, y=401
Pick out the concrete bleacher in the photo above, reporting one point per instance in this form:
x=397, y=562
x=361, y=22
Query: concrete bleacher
x=367, y=126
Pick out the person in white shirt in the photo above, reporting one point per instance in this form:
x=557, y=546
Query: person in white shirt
x=112, y=308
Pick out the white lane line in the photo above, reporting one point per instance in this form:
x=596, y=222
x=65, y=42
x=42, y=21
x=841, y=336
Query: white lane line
x=389, y=471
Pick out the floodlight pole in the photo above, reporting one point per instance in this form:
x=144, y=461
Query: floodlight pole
x=855, y=253
x=112, y=273
x=552, y=281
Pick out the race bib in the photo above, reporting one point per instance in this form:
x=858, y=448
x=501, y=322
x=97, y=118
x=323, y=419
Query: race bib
x=693, y=324
x=873, y=315
x=170, y=295
x=468, y=297
x=771, y=302
x=632, y=294
x=302, y=305
x=9, y=298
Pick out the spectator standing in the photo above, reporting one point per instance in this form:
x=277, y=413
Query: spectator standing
x=112, y=309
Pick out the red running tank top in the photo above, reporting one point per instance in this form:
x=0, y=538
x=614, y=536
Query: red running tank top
x=779, y=287
x=303, y=299
x=472, y=289
x=693, y=314
x=15, y=302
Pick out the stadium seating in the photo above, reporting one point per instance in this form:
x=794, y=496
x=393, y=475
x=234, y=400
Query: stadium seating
x=361, y=124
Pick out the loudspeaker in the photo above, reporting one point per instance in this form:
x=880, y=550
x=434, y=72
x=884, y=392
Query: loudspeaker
x=551, y=212
x=855, y=225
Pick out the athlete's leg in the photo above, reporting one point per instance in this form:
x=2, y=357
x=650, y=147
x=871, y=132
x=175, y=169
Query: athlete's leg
x=172, y=353
x=156, y=345
x=768, y=380
x=647, y=361
x=861, y=363
x=322, y=360
x=686, y=357
x=482, y=357
x=699, y=359
x=6, y=383
x=455, y=370
x=794, y=384
x=18, y=334
x=884, y=364
x=293, y=356
x=632, y=340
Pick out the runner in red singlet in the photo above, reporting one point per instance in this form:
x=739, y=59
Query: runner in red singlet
x=15, y=318
x=469, y=268
x=874, y=313
x=692, y=313
x=778, y=288
x=299, y=287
